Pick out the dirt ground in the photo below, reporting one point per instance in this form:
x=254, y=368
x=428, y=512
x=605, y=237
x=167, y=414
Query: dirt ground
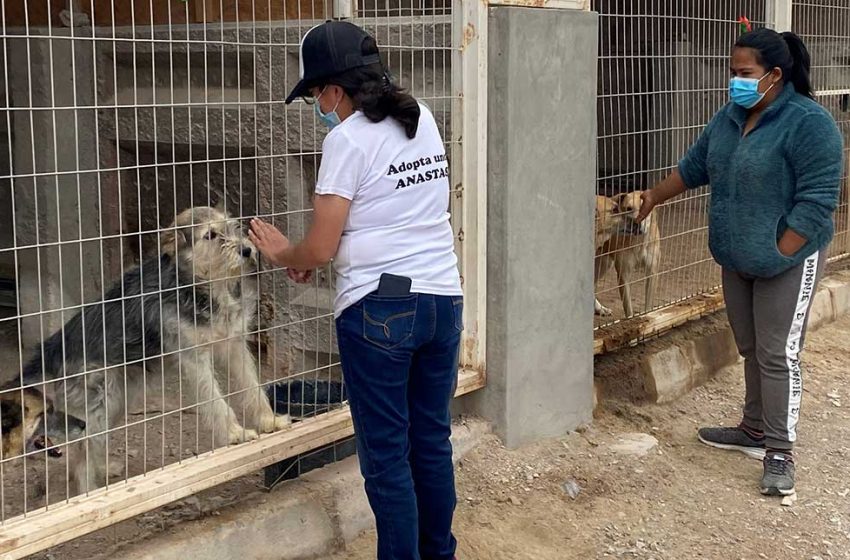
x=681, y=500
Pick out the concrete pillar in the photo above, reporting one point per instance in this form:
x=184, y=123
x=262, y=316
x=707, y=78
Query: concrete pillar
x=540, y=187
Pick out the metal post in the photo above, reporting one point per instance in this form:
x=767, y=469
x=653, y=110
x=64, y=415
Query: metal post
x=778, y=14
x=469, y=160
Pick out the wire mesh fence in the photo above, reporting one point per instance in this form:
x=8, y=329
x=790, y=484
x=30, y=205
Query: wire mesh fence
x=138, y=138
x=824, y=25
x=663, y=72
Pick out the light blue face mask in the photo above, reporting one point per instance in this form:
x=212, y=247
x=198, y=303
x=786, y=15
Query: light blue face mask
x=330, y=119
x=745, y=91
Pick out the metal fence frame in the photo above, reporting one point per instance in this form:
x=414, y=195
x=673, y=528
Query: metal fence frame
x=39, y=529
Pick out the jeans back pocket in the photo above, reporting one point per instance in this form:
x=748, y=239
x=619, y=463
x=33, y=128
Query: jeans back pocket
x=389, y=321
x=457, y=309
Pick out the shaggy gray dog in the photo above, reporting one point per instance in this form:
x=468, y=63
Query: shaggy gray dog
x=183, y=313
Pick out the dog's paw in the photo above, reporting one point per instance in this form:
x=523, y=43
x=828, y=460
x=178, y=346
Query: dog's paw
x=601, y=310
x=238, y=434
x=282, y=421
x=274, y=422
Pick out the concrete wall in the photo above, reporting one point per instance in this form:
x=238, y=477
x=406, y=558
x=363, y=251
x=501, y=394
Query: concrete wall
x=541, y=168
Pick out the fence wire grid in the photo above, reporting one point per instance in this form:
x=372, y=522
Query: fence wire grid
x=663, y=72
x=824, y=25
x=115, y=118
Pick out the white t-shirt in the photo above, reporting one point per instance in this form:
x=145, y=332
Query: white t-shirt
x=399, y=220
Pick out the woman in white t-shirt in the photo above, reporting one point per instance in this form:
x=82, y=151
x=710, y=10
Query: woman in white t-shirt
x=381, y=213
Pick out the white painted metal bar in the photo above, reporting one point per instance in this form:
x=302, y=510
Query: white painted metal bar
x=779, y=14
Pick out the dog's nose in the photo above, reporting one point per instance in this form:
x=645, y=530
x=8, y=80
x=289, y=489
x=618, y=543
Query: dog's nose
x=246, y=251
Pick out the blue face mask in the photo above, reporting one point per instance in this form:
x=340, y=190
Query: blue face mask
x=330, y=119
x=745, y=91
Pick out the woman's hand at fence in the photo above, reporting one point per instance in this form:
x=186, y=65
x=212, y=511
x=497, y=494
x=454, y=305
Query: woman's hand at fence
x=647, y=203
x=673, y=185
x=299, y=276
x=270, y=242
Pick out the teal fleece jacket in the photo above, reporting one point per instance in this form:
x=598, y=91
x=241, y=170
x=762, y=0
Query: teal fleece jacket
x=785, y=173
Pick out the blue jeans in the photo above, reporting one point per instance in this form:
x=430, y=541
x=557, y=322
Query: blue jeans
x=399, y=358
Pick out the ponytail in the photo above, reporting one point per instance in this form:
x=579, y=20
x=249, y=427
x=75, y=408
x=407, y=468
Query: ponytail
x=781, y=50
x=373, y=92
x=799, y=73
x=379, y=99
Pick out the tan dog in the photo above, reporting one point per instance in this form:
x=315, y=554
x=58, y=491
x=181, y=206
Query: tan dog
x=30, y=423
x=633, y=246
x=608, y=219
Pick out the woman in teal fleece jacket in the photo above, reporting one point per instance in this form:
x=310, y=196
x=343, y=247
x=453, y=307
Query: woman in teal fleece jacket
x=773, y=158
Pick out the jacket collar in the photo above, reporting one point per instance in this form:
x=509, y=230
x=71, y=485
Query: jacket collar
x=739, y=114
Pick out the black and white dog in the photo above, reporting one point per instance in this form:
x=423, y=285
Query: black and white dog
x=185, y=312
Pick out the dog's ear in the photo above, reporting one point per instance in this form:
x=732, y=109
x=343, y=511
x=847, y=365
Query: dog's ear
x=618, y=202
x=221, y=206
x=10, y=415
x=175, y=238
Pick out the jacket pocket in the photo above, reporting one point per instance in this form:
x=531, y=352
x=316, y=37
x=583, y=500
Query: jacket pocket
x=757, y=249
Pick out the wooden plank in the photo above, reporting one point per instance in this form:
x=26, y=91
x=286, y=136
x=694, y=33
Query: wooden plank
x=560, y=4
x=261, y=10
x=44, y=528
x=108, y=13
x=84, y=514
x=632, y=331
x=122, y=14
x=17, y=13
x=469, y=380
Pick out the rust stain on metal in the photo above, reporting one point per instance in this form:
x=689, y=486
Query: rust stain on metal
x=526, y=3
x=578, y=4
x=468, y=36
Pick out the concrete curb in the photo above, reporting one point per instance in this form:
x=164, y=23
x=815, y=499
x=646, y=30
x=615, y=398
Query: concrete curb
x=311, y=517
x=673, y=372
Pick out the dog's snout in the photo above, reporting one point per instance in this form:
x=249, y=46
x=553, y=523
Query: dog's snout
x=246, y=251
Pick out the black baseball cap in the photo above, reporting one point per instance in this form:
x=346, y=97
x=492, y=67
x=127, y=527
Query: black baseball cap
x=327, y=50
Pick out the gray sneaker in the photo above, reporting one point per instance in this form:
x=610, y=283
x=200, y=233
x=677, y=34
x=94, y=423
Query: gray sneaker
x=778, y=479
x=735, y=439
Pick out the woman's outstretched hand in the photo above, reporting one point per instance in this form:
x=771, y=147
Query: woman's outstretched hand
x=270, y=242
x=648, y=202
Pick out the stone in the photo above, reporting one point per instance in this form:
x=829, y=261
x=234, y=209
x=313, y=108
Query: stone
x=634, y=444
x=571, y=488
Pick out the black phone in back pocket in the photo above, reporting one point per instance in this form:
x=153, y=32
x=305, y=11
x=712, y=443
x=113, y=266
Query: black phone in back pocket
x=392, y=285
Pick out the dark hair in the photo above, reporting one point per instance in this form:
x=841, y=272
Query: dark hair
x=781, y=50
x=372, y=91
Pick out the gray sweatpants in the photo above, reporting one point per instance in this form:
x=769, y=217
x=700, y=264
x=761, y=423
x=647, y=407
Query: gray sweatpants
x=768, y=317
